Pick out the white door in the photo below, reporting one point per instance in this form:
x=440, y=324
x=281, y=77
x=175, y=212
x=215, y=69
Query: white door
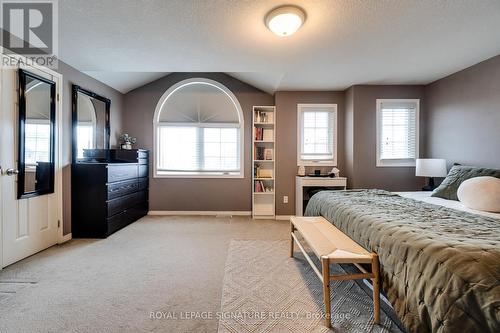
x=27, y=225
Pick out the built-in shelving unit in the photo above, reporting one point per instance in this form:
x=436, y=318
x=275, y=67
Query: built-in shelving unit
x=263, y=165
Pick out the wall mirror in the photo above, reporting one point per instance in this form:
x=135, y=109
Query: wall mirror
x=37, y=111
x=90, y=121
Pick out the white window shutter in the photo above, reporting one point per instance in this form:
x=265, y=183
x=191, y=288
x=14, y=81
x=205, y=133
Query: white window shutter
x=397, y=131
x=317, y=137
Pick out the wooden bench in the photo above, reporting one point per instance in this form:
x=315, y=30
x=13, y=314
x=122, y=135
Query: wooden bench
x=331, y=245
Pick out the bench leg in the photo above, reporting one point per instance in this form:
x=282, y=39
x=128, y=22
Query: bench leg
x=292, y=229
x=376, y=289
x=325, y=267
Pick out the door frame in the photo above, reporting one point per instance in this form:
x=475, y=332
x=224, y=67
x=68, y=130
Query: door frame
x=58, y=186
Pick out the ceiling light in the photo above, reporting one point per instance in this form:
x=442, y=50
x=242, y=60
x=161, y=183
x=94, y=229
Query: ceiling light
x=285, y=20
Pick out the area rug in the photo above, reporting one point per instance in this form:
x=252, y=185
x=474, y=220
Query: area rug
x=266, y=291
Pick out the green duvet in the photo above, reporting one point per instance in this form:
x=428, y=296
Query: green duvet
x=440, y=267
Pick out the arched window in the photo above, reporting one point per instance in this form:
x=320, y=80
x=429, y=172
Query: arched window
x=198, y=129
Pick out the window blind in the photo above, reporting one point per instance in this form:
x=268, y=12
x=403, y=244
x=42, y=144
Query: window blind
x=317, y=135
x=398, y=132
x=85, y=138
x=37, y=144
x=199, y=148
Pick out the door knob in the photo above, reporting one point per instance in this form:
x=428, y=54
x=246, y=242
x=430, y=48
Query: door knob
x=11, y=172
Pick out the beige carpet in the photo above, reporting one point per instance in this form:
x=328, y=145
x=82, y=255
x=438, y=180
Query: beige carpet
x=266, y=291
x=169, y=266
x=159, y=264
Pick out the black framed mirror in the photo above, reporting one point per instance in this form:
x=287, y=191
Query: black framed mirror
x=91, y=128
x=36, y=141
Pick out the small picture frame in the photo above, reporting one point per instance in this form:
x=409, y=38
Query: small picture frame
x=268, y=154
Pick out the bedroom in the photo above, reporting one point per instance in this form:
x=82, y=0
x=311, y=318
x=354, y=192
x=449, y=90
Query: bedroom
x=234, y=129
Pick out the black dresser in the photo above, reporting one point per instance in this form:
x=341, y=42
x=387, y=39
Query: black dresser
x=109, y=191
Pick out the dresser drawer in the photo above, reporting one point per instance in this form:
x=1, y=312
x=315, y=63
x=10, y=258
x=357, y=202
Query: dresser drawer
x=126, y=217
x=121, y=172
x=143, y=154
x=119, y=221
x=117, y=205
x=143, y=170
x=143, y=183
x=119, y=189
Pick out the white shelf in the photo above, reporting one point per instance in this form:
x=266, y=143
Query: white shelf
x=263, y=203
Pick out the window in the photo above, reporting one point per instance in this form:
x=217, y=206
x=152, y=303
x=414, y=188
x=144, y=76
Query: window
x=37, y=146
x=199, y=132
x=317, y=137
x=85, y=137
x=397, y=132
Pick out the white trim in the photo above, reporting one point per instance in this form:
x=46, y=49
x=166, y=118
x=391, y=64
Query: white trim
x=198, y=213
x=65, y=238
x=301, y=162
x=283, y=217
x=157, y=123
x=397, y=162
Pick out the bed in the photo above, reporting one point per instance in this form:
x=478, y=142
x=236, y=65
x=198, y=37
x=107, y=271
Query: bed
x=440, y=262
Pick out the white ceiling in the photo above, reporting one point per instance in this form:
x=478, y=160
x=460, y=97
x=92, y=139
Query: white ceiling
x=126, y=43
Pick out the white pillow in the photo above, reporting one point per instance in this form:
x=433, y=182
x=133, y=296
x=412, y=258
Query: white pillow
x=481, y=193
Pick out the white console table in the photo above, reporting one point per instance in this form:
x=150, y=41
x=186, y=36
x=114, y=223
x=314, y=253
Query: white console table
x=301, y=182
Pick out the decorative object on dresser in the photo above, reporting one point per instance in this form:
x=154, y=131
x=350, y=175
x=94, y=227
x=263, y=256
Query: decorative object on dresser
x=127, y=141
x=263, y=152
x=430, y=167
x=110, y=191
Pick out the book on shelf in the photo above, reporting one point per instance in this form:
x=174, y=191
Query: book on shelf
x=263, y=154
x=263, y=134
x=259, y=133
x=264, y=173
x=267, y=134
x=259, y=187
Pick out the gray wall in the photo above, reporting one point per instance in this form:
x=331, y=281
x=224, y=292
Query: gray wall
x=362, y=132
x=463, y=116
x=349, y=136
x=171, y=194
x=286, y=140
x=73, y=76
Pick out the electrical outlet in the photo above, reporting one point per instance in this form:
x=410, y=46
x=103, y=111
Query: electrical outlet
x=285, y=199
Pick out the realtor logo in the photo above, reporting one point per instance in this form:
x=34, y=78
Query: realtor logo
x=29, y=29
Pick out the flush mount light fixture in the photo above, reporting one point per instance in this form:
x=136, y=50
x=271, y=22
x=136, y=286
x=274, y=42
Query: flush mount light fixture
x=285, y=20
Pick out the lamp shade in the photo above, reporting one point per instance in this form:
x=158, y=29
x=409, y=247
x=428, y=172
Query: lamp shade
x=431, y=167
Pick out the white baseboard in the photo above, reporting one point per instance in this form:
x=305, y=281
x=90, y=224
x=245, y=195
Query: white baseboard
x=199, y=213
x=65, y=238
x=283, y=217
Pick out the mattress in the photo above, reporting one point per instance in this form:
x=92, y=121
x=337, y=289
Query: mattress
x=440, y=266
x=425, y=196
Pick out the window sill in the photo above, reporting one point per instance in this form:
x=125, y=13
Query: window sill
x=316, y=163
x=395, y=164
x=197, y=175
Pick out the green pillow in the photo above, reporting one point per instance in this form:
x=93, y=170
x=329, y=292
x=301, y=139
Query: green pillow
x=459, y=173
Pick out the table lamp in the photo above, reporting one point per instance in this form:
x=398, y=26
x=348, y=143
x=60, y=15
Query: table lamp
x=430, y=167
